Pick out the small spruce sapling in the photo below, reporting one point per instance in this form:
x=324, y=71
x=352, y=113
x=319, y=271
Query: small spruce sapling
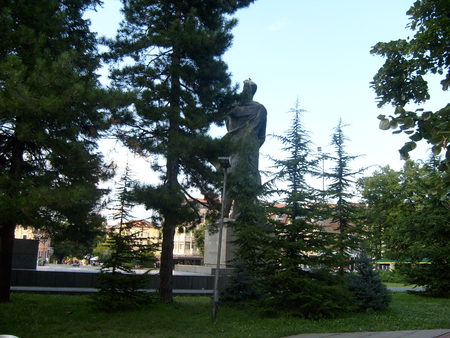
x=366, y=285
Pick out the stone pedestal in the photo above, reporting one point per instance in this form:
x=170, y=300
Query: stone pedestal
x=211, y=246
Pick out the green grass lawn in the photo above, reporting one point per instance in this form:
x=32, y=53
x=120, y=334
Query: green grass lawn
x=39, y=315
x=397, y=284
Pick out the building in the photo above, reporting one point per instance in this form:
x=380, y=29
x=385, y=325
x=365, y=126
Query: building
x=45, y=249
x=185, y=249
x=144, y=231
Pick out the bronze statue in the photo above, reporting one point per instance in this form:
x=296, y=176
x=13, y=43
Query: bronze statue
x=246, y=127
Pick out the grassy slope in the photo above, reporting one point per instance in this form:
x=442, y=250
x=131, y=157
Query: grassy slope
x=31, y=315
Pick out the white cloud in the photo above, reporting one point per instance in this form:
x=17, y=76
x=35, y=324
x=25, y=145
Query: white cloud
x=278, y=25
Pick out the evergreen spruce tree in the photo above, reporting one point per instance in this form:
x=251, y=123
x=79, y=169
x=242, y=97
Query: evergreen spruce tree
x=49, y=121
x=299, y=231
x=366, y=285
x=180, y=86
x=299, y=246
x=120, y=288
x=345, y=212
x=241, y=284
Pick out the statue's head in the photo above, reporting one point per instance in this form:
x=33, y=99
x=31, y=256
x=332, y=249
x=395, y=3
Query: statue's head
x=248, y=91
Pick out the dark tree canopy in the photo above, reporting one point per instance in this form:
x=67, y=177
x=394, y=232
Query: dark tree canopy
x=49, y=120
x=410, y=225
x=381, y=193
x=402, y=80
x=344, y=211
x=177, y=86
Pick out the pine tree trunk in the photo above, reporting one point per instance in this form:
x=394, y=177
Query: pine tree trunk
x=9, y=226
x=172, y=171
x=170, y=223
x=166, y=267
x=6, y=254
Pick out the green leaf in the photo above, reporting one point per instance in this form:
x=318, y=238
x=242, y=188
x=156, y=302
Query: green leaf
x=416, y=137
x=399, y=110
x=426, y=115
x=403, y=155
x=411, y=145
x=409, y=122
x=381, y=117
x=385, y=124
x=436, y=150
x=443, y=166
x=393, y=124
x=437, y=140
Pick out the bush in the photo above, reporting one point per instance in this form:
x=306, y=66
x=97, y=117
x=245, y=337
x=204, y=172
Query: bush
x=241, y=286
x=434, y=277
x=120, y=292
x=394, y=276
x=366, y=286
x=308, y=294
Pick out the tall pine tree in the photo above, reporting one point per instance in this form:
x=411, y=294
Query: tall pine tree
x=297, y=232
x=344, y=211
x=49, y=120
x=298, y=244
x=179, y=86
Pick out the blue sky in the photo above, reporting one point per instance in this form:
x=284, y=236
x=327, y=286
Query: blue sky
x=318, y=52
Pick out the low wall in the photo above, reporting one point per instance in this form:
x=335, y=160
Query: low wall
x=60, y=279
x=22, y=277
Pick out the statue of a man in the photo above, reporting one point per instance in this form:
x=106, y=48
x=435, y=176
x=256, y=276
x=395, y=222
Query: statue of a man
x=246, y=127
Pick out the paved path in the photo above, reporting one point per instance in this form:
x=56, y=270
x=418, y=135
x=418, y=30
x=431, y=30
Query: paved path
x=389, y=334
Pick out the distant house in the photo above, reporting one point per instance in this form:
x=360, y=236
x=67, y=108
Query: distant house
x=385, y=264
x=144, y=231
x=185, y=249
x=389, y=264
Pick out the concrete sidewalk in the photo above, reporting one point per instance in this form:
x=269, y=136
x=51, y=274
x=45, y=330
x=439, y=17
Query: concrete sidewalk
x=387, y=334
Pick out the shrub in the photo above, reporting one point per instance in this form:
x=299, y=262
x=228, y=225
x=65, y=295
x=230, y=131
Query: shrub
x=394, y=276
x=366, y=286
x=121, y=291
x=434, y=277
x=241, y=286
x=308, y=294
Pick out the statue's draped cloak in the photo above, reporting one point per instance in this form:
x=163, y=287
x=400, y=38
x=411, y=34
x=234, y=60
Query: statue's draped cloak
x=246, y=126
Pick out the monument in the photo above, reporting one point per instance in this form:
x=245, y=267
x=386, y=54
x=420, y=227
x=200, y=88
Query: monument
x=246, y=126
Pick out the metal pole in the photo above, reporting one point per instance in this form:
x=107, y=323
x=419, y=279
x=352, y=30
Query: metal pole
x=219, y=248
x=323, y=177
